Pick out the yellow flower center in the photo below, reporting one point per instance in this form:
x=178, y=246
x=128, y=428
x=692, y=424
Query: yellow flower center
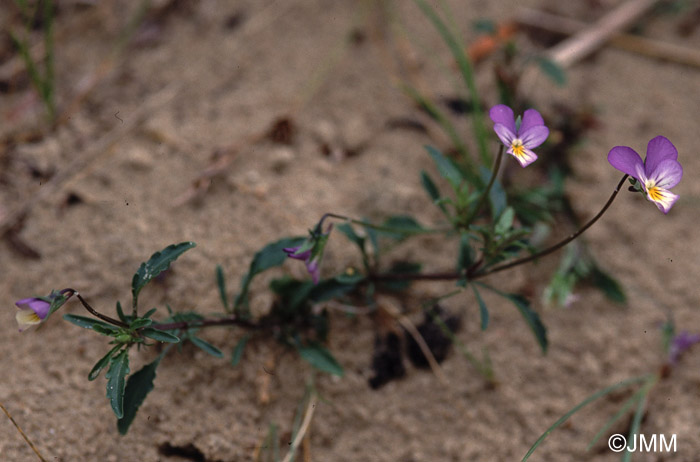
x=653, y=191
x=517, y=147
x=654, y=194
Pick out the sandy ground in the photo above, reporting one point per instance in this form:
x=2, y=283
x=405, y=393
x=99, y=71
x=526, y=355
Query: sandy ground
x=210, y=77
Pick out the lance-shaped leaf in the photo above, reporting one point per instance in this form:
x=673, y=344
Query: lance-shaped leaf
x=159, y=262
x=138, y=386
x=446, y=167
x=116, y=381
x=89, y=323
x=102, y=363
x=160, y=335
x=270, y=256
x=221, y=283
x=321, y=359
x=206, y=346
x=531, y=317
x=238, y=350
x=483, y=310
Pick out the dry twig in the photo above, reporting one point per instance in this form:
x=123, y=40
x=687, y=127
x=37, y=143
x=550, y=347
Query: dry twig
x=640, y=45
x=26, y=438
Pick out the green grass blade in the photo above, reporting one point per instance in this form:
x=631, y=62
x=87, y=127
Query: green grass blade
x=595, y=396
x=467, y=71
x=439, y=116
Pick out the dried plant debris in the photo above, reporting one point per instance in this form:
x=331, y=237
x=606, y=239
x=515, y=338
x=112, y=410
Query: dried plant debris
x=283, y=131
x=437, y=321
x=387, y=361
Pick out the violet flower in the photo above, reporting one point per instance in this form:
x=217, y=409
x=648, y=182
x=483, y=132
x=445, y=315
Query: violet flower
x=311, y=251
x=32, y=311
x=298, y=253
x=35, y=310
x=522, y=136
x=680, y=344
x=659, y=172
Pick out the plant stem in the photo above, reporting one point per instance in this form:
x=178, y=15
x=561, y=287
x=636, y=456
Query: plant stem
x=94, y=312
x=487, y=191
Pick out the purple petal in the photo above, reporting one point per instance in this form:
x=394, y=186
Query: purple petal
x=502, y=114
x=312, y=268
x=667, y=174
x=680, y=344
x=627, y=161
x=659, y=149
x=534, y=136
x=37, y=305
x=292, y=253
x=531, y=118
x=504, y=134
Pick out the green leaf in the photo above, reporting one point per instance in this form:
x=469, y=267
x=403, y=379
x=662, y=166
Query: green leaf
x=150, y=313
x=321, y=359
x=497, y=196
x=350, y=233
x=552, y=70
x=446, y=167
x=139, y=385
x=483, y=310
x=328, y=289
x=429, y=186
x=270, y=256
x=292, y=292
x=221, y=283
x=89, y=323
x=140, y=323
x=505, y=221
x=159, y=262
x=400, y=227
x=206, y=347
x=116, y=375
x=159, y=335
x=120, y=313
x=238, y=350
x=531, y=316
x=608, y=285
x=102, y=363
x=465, y=257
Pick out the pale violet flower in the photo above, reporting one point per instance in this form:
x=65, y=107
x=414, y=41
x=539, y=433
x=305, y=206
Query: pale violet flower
x=311, y=251
x=34, y=310
x=659, y=172
x=519, y=137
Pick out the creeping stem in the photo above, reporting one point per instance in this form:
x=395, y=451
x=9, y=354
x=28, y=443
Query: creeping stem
x=165, y=326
